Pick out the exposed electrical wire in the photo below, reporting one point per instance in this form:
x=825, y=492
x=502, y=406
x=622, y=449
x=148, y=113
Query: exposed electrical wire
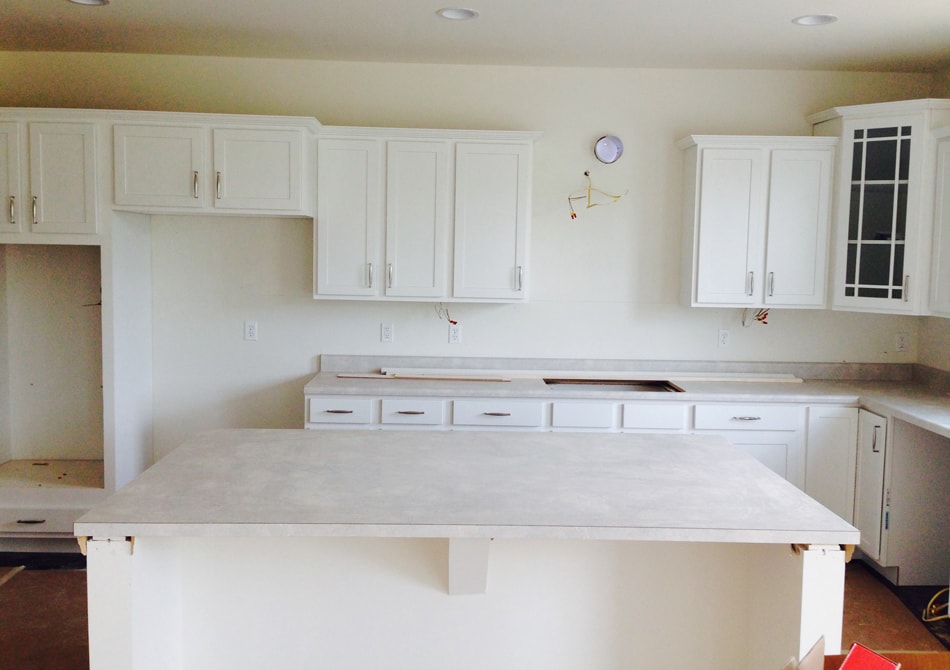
x=933, y=607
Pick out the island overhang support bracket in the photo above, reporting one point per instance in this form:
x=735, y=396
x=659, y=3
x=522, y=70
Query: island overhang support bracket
x=468, y=565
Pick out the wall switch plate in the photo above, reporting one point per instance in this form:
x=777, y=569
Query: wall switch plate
x=455, y=333
x=250, y=331
x=901, y=342
x=386, y=332
x=723, y=338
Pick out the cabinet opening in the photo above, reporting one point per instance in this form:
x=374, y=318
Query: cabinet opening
x=51, y=402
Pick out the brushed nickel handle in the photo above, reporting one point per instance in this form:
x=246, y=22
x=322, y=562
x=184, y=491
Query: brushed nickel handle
x=194, y=184
x=771, y=284
x=747, y=418
x=411, y=412
x=34, y=211
x=389, y=275
x=874, y=448
x=371, y=274
x=906, y=288
x=750, y=283
x=338, y=411
x=12, y=209
x=520, y=277
x=217, y=185
x=497, y=413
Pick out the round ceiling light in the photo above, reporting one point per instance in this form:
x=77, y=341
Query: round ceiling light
x=815, y=19
x=457, y=13
x=90, y=3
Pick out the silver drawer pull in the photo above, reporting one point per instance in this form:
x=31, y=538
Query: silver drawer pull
x=194, y=183
x=747, y=418
x=338, y=411
x=497, y=413
x=411, y=412
x=13, y=209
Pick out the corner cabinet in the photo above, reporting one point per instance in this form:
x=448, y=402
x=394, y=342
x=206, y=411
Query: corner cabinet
x=756, y=220
x=885, y=196
x=422, y=215
x=191, y=165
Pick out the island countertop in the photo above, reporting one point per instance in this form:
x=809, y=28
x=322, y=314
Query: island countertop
x=464, y=484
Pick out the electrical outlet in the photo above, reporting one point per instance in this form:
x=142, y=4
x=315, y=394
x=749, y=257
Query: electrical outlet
x=250, y=331
x=723, y=338
x=455, y=333
x=901, y=342
x=386, y=332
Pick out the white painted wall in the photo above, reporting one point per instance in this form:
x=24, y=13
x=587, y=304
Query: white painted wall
x=602, y=286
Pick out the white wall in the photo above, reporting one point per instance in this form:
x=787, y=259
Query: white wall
x=602, y=286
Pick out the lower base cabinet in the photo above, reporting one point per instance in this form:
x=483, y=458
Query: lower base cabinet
x=830, y=457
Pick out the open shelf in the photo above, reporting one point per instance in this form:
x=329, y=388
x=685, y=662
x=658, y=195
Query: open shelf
x=52, y=473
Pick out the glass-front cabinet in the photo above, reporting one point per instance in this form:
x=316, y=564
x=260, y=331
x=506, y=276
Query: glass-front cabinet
x=884, y=212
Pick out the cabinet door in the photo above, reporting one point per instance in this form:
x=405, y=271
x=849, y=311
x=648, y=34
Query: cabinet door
x=159, y=166
x=492, y=186
x=258, y=169
x=830, y=458
x=349, y=221
x=417, y=218
x=799, y=210
x=870, y=503
x=940, y=290
x=12, y=221
x=729, y=256
x=63, y=177
x=879, y=226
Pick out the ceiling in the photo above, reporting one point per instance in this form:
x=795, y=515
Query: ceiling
x=871, y=35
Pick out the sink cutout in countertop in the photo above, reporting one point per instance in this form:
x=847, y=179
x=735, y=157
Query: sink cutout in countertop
x=634, y=385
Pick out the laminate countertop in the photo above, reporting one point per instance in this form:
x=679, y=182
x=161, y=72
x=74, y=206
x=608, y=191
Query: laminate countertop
x=464, y=484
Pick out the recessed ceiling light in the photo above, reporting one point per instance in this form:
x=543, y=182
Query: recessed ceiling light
x=91, y=3
x=815, y=19
x=457, y=13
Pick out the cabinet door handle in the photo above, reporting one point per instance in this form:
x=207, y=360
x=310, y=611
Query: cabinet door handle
x=12, y=209
x=906, y=288
x=520, y=276
x=194, y=184
x=747, y=418
x=389, y=275
x=750, y=283
x=411, y=412
x=874, y=448
x=371, y=274
x=497, y=413
x=338, y=411
x=34, y=211
x=771, y=284
x=217, y=185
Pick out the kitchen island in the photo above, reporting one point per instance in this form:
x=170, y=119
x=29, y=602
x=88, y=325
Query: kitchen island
x=357, y=549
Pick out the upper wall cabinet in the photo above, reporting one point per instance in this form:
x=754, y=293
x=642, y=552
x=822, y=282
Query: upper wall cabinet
x=756, y=221
x=56, y=194
x=262, y=167
x=885, y=195
x=940, y=275
x=422, y=215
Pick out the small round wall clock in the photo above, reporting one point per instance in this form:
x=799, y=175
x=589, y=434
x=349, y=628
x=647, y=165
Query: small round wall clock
x=608, y=149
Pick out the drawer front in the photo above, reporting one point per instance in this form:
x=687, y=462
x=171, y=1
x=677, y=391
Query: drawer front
x=748, y=417
x=655, y=416
x=340, y=410
x=411, y=411
x=520, y=413
x=583, y=414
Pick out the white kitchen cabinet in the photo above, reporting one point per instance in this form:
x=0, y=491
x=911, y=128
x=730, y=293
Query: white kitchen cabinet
x=871, y=504
x=940, y=276
x=773, y=434
x=422, y=215
x=884, y=217
x=10, y=178
x=492, y=187
x=655, y=417
x=830, y=457
x=214, y=169
x=756, y=220
x=413, y=412
x=63, y=177
x=498, y=413
x=584, y=415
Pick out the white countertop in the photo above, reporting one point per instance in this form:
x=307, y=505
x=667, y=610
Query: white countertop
x=464, y=484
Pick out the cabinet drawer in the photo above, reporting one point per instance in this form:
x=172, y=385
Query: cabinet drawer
x=655, y=416
x=521, y=413
x=411, y=411
x=340, y=410
x=748, y=417
x=583, y=415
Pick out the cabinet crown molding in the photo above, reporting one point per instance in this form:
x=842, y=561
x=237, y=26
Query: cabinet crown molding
x=879, y=109
x=372, y=132
x=769, y=141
